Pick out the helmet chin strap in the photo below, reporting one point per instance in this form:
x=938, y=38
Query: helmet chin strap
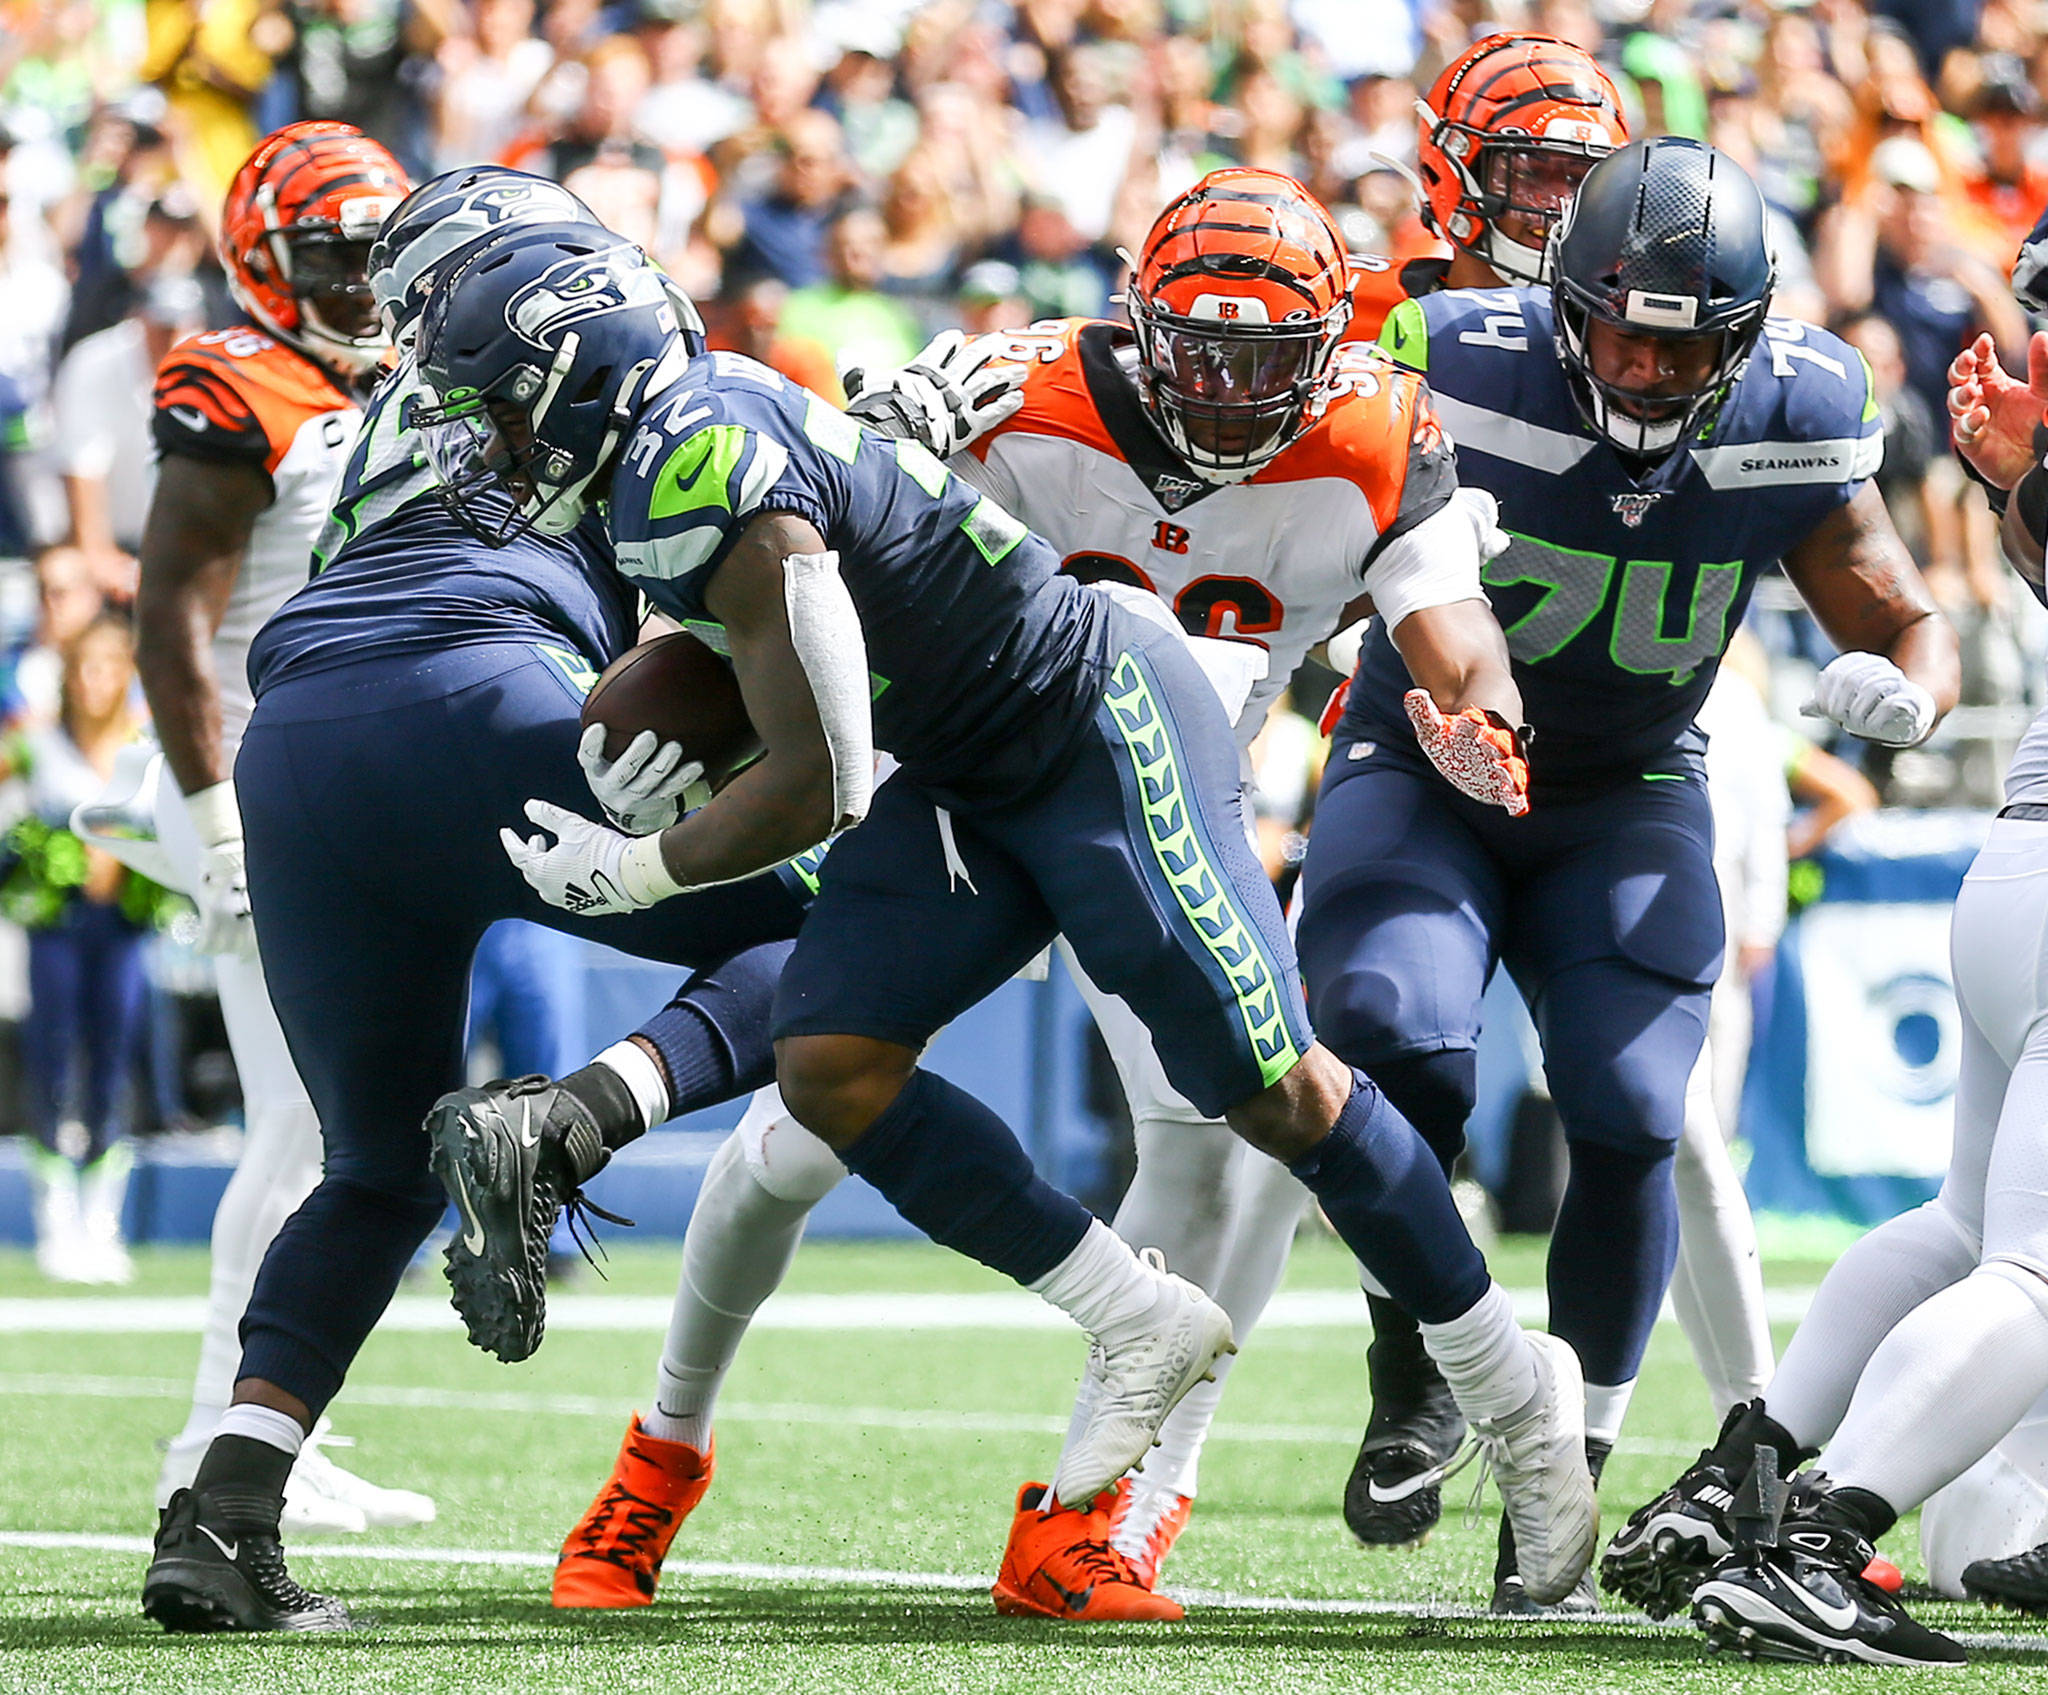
x=1516, y=262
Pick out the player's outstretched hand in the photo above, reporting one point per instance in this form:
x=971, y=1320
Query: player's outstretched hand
x=222, y=898
x=1871, y=697
x=1994, y=414
x=1479, y=752
x=642, y=791
x=589, y=869
x=951, y=395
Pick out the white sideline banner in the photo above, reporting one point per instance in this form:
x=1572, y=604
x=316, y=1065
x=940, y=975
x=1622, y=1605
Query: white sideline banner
x=1883, y=1037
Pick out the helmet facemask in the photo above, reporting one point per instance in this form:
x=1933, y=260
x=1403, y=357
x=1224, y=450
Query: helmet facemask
x=1508, y=176
x=1641, y=421
x=1229, y=395
x=324, y=265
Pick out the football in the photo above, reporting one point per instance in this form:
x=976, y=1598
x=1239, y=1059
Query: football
x=677, y=687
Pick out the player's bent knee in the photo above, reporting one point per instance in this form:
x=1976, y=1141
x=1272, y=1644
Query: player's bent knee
x=1287, y=1118
x=836, y=1086
x=786, y=1159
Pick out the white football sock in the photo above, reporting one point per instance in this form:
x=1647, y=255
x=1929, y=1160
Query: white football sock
x=1868, y=1290
x=263, y=1424
x=740, y=1242
x=1606, y=1407
x=635, y=1067
x=1945, y=1387
x=278, y=1167
x=1717, y=1286
x=1102, y=1286
x=1485, y=1358
x=1269, y=1207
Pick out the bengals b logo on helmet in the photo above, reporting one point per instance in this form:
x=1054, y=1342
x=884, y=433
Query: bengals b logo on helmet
x=295, y=235
x=1508, y=131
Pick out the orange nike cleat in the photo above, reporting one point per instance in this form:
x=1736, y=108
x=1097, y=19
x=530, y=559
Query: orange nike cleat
x=1059, y=1564
x=1144, y=1524
x=613, y=1556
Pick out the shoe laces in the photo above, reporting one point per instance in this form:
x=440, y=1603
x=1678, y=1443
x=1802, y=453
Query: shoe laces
x=1099, y=1561
x=577, y=1210
x=630, y=1522
x=265, y=1567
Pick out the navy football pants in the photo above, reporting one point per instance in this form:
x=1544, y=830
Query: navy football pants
x=1607, y=914
x=371, y=800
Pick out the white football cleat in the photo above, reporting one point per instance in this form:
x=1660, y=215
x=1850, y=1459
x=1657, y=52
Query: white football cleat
x=1538, y=1458
x=318, y=1485
x=1142, y=1379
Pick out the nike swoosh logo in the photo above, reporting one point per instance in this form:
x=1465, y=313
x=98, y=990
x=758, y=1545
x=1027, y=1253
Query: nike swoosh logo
x=230, y=1549
x=193, y=419
x=1406, y=1487
x=472, y=1227
x=1077, y=1599
x=1842, y=1617
x=527, y=1139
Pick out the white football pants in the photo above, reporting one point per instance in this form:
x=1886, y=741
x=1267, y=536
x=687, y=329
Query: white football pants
x=281, y=1151
x=1928, y=1340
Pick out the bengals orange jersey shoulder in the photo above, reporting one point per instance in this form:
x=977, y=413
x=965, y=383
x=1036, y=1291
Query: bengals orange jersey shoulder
x=238, y=396
x=1273, y=560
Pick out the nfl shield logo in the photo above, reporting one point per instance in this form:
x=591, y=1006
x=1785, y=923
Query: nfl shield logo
x=1631, y=507
x=1172, y=492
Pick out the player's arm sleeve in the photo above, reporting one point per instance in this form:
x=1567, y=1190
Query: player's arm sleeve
x=199, y=413
x=1429, y=554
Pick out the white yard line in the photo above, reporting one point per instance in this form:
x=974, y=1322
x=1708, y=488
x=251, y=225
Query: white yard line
x=58, y=1386
x=1298, y=1309
x=861, y=1577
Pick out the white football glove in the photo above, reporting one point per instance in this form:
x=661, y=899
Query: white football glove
x=644, y=790
x=589, y=869
x=1871, y=697
x=951, y=395
x=222, y=894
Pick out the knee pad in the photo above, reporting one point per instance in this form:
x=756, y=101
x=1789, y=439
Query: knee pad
x=1435, y=1092
x=783, y=1157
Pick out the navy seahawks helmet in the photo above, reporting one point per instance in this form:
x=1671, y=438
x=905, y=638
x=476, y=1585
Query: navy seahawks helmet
x=428, y=231
x=1665, y=240
x=539, y=349
x=2030, y=269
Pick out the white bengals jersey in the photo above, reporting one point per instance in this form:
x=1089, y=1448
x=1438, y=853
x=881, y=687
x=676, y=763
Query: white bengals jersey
x=239, y=396
x=1273, y=560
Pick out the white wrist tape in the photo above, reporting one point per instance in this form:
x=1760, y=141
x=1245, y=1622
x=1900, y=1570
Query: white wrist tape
x=645, y=874
x=825, y=629
x=1343, y=648
x=215, y=814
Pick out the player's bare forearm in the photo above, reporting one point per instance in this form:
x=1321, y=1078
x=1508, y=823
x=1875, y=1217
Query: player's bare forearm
x=193, y=544
x=1868, y=595
x=1459, y=655
x=783, y=803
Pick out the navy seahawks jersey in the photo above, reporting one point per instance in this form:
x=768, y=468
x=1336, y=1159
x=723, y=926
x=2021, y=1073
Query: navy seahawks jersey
x=1619, y=595
x=394, y=573
x=986, y=664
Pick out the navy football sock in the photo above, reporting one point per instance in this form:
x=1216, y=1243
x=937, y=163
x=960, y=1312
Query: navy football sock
x=1382, y=1189
x=952, y=1168
x=1611, y=1255
x=1434, y=1092
x=327, y=1279
x=713, y=1037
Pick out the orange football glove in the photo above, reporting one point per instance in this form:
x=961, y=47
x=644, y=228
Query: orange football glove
x=1478, y=752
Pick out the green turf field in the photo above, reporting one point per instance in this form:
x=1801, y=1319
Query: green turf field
x=862, y=1498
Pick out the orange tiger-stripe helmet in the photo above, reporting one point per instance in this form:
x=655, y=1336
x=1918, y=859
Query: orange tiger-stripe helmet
x=1238, y=299
x=295, y=236
x=1508, y=132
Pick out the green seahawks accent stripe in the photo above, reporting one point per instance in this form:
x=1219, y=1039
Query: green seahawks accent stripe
x=921, y=466
x=806, y=865
x=992, y=530
x=832, y=430
x=1204, y=896
x=712, y=635
x=581, y=673
x=1405, y=335
x=1663, y=777
x=698, y=474
x=1869, y=389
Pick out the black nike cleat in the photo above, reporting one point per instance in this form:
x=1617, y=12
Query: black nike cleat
x=511, y=1155
x=209, y=1574
x=1819, y=1594
x=2020, y=1582
x=1672, y=1542
x=1394, y=1495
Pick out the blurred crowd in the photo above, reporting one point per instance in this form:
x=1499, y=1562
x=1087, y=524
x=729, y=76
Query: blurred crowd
x=835, y=180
